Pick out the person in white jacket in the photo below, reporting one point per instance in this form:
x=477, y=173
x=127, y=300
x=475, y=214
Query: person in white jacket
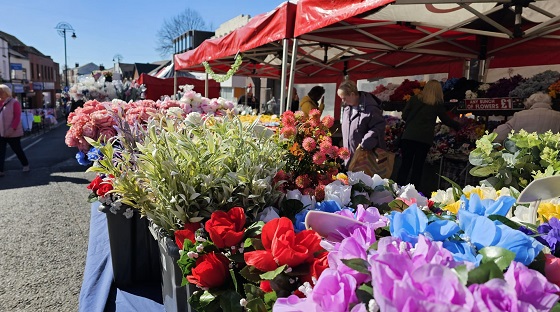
x=538, y=117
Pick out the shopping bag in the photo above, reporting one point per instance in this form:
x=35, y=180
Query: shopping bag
x=378, y=161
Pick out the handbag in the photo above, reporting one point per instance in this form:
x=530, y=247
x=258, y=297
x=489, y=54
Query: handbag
x=378, y=161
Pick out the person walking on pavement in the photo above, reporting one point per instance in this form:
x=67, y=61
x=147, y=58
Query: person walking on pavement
x=11, y=129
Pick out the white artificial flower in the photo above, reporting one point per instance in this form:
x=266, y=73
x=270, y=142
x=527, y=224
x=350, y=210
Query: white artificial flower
x=521, y=214
x=443, y=197
x=410, y=192
x=338, y=192
x=356, y=177
x=268, y=214
x=128, y=213
x=378, y=180
x=485, y=192
x=293, y=194
x=194, y=119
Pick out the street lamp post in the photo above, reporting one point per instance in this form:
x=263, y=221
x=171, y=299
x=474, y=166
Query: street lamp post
x=62, y=27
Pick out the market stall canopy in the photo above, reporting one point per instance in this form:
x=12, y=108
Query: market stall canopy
x=377, y=38
x=157, y=87
x=261, y=35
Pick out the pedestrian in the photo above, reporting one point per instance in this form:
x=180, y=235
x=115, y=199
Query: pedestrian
x=420, y=115
x=362, y=122
x=538, y=117
x=294, y=103
x=250, y=100
x=11, y=129
x=313, y=100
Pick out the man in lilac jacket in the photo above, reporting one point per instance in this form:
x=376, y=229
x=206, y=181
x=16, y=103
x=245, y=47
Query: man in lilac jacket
x=362, y=119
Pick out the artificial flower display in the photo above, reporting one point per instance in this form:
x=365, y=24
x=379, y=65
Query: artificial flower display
x=421, y=259
x=539, y=82
x=312, y=160
x=236, y=264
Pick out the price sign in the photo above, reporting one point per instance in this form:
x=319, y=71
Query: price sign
x=489, y=104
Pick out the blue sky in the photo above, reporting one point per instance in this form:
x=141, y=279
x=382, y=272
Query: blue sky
x=105, y=28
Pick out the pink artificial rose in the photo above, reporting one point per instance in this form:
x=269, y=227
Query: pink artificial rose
x=107, y=132
x=552, y=269
x=90, y=130
x=102, y=119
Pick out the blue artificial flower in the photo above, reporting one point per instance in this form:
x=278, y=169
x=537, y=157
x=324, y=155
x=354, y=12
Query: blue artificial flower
x=328, y=206
x=410, y=223
x=551, y=235
x=299, y=223
x=486, y=207
x=94, y=154
x=82, y=159
x=480, y=232
x=462, y=251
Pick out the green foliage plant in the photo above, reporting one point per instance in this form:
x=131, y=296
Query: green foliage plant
x=521, y=158
x=188, y=168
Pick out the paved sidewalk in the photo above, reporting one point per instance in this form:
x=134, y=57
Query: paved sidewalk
x=44, y=225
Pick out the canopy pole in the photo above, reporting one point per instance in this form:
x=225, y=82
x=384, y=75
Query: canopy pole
x=174, y=83
x=283, y=80
x=292, y=71
x=206, y=86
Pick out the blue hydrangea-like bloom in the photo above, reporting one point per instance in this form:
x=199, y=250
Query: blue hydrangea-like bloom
x=94, y=154
x=82, y=159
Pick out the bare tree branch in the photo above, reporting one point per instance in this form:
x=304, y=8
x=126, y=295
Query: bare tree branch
x=174, y=27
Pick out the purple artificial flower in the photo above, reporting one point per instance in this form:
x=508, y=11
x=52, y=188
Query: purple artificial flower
x=333, y=292
x=294, y=303
x=427, y=251
x=354, y=246
x=431, y=287
x=551, y=237
x=532, y=287
x=495, y=295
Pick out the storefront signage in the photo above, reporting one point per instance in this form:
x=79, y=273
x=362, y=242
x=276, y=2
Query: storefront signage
x=16, y=66
x=38, y=86
x=489, y=104
x=17, y=88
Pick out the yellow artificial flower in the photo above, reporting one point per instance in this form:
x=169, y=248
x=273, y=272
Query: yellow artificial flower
x=341, y=177
x=454, y=208
x=548, y=211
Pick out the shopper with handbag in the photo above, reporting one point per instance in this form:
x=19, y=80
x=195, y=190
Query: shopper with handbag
x=11, y=129
x=420, y=115
x=363, y=125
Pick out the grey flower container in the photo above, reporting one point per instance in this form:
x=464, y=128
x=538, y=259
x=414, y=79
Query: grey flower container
x=134, y=252
x=175, y=297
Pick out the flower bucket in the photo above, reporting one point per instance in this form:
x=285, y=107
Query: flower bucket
x=175, y=297
x=134, y=252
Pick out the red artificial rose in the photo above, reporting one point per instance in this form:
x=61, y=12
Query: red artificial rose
x=94, y=185
x=552, y=269
x=226, y=229
x=283, y=246
x=320, y=263
x=104, y=187
x=186, y=233
x=210, y=271
x=265, y=286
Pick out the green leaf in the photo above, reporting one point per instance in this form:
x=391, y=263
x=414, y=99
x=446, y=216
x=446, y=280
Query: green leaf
x=357, y=264
x=360, y=200
x=272, y=274
x=457, y=189
x=538, y=263
x=398, y=205
x=500, y=256
x=254, y=229
x=233, y=278
x=251, y=274
x=462, y=273
x=252, y=291
x=270, y=298
x=230, y=301
x=256, y=305
x=364, y=293
x=484, y=273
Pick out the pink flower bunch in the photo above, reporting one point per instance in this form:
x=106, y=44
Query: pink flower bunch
x=312, y=159
x=92, y=121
